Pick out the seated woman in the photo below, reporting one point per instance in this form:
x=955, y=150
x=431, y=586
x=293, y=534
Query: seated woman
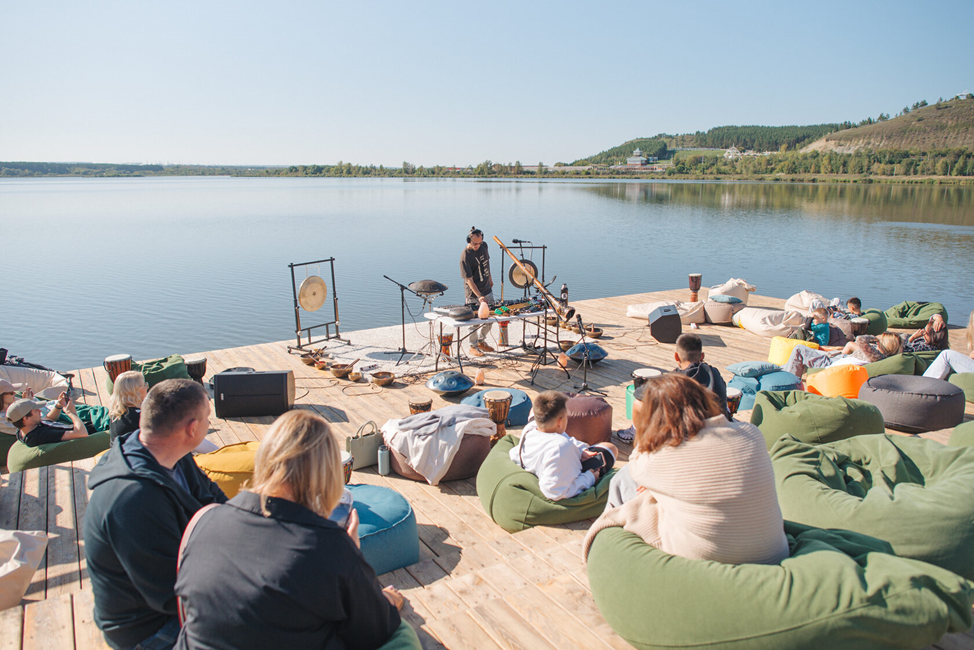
x=950, y=361
x=931, y=337
x=269, y=569
x=865, y=349
x=706, y=485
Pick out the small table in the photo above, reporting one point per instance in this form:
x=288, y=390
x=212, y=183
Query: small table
x=457, y=324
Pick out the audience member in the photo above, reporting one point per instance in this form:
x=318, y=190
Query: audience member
x=689, y=357
x=124, y=405
x=34, y=428
x=816, y=328
x=865, y=349
x=950, y=361
x=931, y=337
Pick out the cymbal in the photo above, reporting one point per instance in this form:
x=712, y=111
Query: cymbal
x=428, y=287
x=517, y=276
x=312, y=293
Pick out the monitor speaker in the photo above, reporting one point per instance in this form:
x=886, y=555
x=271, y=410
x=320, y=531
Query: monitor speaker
x=243, y=392
x=665, y=324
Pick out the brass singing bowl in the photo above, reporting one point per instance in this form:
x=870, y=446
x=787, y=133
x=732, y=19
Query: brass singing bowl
x=551, y=320
x=566, y=345
x=321, y=364
x=383, y=378
x=307, y=359
x=355, y=375
x=593, y=332
x=341, y=370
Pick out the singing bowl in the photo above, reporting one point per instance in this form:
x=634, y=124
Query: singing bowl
x=551, y=320
x=355, y=375
x=383, y=378
x=307, y=360
x=341, y=370
x=321, y=364
x=593, y=332
x=566, y=345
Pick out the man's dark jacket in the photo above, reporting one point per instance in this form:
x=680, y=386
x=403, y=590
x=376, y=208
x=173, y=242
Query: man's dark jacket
x=134, y=521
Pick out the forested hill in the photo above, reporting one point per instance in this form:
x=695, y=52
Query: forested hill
x=944, y=125
x=650, y=147
x=758, y=138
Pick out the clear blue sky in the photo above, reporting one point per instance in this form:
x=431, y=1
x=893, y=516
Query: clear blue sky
x=239, y=82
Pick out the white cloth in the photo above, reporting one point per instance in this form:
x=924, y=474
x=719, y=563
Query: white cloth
x=690, y=312
x=805, y=302
x=768, y=322
x=21, y=552
x=735, y=287
x=556, y=459
x=34, y=378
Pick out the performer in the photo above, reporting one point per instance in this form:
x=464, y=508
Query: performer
x=477, y=286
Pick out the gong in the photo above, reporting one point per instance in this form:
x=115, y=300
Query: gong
x=312, y=293
x=518, y=278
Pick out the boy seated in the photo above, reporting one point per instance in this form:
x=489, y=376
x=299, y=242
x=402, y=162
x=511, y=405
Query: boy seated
x=565, y=467
x=34, y=430
x=853, y=309
x=689, y=357
x=816, y=328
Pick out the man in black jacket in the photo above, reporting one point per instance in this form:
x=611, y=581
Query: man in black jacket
x=145, y=489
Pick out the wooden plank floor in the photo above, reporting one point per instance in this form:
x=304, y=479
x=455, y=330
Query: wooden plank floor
x=475, y=586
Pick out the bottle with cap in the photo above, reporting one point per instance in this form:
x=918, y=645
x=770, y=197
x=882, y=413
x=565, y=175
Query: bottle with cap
x=384, y=466
x=564, y=294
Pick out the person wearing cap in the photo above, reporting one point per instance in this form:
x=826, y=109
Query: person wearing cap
x=8, y=395
x=33, y=429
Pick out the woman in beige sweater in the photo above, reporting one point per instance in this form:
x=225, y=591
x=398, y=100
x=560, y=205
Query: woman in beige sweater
x=706, y=486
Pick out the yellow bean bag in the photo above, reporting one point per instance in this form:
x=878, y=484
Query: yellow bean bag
x=229, y=467
x=781, y=349
x=838, y=381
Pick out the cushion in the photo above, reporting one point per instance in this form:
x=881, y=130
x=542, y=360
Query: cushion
x=404, y=638
x=230, y=466
x=779, y=380
x=838, y=381
x=898, y=364
x=589, y=418
x=721, y=313
x=7, y=441
x=781, y=348
x=802, y=302
x=768, y=322
x=877, y=321
x=512, y=497
x=156, y=370
x=21, y=552
x=964, y=381
x=752, y=368
x=962, y=436
x=813, y=418
x=916, y=494
x=734, y=287
x=21, y=457
x=913, y=315
x=731, y=300
x=520, y=405
x=470, y=455
x=838, y=590
x=915, y=404
x=387, y=528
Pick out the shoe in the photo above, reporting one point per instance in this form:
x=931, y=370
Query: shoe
x=627, y=435
x=474, y=352
x=483, y=347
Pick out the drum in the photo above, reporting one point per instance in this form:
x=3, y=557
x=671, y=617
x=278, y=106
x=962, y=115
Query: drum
x=733, y=399
x=347, y=466
x=446, y=340
x=196, y=367
x=859, y=326
x=504, y=340
x=498, y=405
x=117, y=364
x=696, y=279
x=641, y=375
x=420, y=405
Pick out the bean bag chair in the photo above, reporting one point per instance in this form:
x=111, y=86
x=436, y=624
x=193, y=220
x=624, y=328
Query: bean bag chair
x=34, y=378
x=915, y=404
x=589, y=418
x=751, y=386
x=404, y=638
x=768, y=322
x=520, y=405
x=812, y=418
x=840, y=331
x=21, y=457
x=877, y=321
x=802, y=302
x=781, y=348
x=230, y=466
x=838, y=590
x=911, y=363
x=470, y=455
x=962, y=436
x=156, y=370
x=720, y=312
x=838, y=381
x=21, y=552
x=387, y=528
x=964, y=381
x=913, y=315
x=735, y=287
x=916, y=494
x=6, y=442
x=512, y=497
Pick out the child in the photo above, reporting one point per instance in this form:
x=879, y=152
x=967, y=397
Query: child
x=689, y=357
x=817, y=330
x=565, y=467
x=854, y=307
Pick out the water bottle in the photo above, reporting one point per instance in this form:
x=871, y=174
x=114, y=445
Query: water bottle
x=384, y=467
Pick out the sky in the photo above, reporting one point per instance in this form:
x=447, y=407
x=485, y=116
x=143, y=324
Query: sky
x=450, y=83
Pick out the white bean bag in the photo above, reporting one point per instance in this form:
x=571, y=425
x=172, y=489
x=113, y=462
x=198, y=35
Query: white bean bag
x=690, y=312
x=733, y=287
x=21, y=552
x=34, y=378
x=802, y=302
x=768, y=322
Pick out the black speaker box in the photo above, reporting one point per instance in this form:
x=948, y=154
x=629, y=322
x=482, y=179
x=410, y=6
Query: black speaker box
x=242, y=392
x=665, y=324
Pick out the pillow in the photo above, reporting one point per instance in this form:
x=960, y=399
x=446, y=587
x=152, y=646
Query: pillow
x=780, y=380
x=731, y=300
x=753, y=368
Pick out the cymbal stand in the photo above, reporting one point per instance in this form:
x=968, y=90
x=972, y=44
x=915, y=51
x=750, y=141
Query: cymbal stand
x=402, y=299
x=586, y=362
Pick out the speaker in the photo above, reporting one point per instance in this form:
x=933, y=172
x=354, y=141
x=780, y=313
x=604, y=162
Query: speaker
x=665, y=324
x=241, y=392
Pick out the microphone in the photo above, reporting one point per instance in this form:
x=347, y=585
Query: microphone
x=520, y=241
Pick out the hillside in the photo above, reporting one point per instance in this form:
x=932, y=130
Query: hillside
x=758, y=138
x=945, y=126
x=652, y=147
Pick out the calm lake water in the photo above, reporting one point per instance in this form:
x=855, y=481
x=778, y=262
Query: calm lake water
x=94, y=267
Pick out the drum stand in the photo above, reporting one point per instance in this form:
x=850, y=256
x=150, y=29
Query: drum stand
x=586, y=362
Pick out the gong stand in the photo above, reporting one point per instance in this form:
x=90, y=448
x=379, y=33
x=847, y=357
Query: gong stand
x=521, y=248
x=306, y=332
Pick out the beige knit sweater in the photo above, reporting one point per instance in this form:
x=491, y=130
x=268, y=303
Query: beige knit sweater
x=710, y=498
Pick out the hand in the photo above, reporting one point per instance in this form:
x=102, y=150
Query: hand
x=28, y=393
x=937, y=322
x=595, y=473
x=352, y=529
x=69, y=405
x=482, y=299
x=393, y=596
x=917, y=334
x=62, y=400
x=587, y=454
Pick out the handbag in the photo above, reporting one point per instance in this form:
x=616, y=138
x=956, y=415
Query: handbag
x=364, y=446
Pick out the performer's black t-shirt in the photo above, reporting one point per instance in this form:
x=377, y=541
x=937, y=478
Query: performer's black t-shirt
x=44, y=433
x=475, y=264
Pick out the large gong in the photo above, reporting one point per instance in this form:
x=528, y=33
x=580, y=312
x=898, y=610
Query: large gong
x=312, y=293
x=518, y=277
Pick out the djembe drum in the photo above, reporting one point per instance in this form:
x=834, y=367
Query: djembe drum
x=196, y=368
x=504, y=340
x=498, y=405
x=859, y=326
x=420, y=405
x=696, y=279
x=641, y=375
x=117, y=364
x=347, y=461
x=446, y=340
x=734, y=396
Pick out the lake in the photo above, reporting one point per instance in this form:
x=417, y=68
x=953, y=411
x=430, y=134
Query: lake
x=151, y=266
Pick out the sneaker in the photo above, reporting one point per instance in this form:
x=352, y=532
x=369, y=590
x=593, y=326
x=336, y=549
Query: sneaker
x=474, y=352
x=627, y=435
x=483, y=347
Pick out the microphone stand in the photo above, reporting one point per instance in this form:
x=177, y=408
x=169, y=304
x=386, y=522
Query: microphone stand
x=402, y=300
x=586, y=361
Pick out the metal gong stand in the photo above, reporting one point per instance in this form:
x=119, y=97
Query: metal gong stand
x=311, y=296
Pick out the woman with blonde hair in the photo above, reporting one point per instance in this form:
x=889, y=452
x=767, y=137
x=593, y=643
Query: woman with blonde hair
x=706, y=485
x=951, y=361
x=269, y=569
x=124, y=406
x=865, y=349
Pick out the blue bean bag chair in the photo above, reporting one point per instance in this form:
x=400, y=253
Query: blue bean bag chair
x=387, y=528
x=520, y=405
x=750, y=386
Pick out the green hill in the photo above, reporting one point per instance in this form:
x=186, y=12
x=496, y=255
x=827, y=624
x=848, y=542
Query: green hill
x=651, y=147
x=758, y=138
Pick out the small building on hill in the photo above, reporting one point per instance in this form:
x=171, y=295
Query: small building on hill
x=732, y=153
x=637, y=162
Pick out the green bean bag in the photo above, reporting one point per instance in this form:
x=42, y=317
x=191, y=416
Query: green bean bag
x=512, y=497
x=6, y=442
x=916, y=494
x=911, y=363
x=813, y=418
x=404, y=638
x=964, y=381
x=913, y=315
x=877, y=321
x=156, y=370
x=962, y=435
x=95, y=418
x=21, y=457
x=838, y=590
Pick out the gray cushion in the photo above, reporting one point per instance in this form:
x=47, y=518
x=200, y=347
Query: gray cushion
x=915, y=404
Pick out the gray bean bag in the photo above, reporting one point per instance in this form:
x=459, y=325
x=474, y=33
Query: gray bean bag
x=915, y=404
x=813, y=418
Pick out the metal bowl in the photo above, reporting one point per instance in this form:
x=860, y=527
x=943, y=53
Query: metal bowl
x=593, y=332
x=321, y=364
x=341, y=370
x=355, y=375
x=383, y=378
x=566, y=345
x=307, y=359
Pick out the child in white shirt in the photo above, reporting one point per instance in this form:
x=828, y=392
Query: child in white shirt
x=556, y=458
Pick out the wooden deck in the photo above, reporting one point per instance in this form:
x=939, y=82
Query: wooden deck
x=475, y=586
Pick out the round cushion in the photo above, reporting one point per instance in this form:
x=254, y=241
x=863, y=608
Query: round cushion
x=21, y=457
x=838, y=590
x=589, y=418
x=512, y=497
x=962, y=436
x=470, y=455
x=230, y=466
x=916, y=494
x=387, y=528
x=915, y=404
x=838, y=381
x=781, y=349
x=913, y=315
x=520, y=405
x=813, y=418
x=877, y=321
x=721, y=313
x=964, y=381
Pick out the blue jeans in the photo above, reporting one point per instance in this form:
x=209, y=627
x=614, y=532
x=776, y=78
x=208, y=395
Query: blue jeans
x=164, y=639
